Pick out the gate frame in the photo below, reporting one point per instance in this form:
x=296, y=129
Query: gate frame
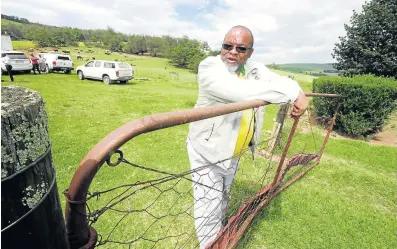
x=83, y=236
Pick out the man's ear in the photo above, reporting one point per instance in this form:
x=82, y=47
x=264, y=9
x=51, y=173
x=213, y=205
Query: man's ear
x=250, y=52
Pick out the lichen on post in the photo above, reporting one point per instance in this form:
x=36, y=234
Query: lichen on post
x=31, y=215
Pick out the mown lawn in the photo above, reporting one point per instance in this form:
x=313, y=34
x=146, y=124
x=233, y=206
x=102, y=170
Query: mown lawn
x=347, y=201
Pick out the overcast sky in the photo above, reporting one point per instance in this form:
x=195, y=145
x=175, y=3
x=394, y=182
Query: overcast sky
x=285, y=31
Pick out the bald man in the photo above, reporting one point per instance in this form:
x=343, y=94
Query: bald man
x=218, y=142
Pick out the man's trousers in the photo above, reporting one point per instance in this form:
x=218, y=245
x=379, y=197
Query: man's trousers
x=211, y=187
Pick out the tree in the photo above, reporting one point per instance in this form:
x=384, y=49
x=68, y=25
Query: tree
x=370, y=44
x=155, y=45
x=274, y=66
x=136, y=44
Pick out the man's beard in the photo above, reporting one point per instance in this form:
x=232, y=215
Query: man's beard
x=231, y=68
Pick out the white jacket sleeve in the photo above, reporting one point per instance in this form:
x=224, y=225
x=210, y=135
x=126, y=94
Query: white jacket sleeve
x=215, y=80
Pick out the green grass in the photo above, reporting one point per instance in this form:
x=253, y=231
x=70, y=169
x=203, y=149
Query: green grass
x=5, y=22
x=347, y=201
x=309, y=67
x=23, y=45
x=304, y=80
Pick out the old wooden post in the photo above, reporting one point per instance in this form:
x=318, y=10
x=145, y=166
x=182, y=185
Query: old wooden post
x=277, y=128
x=31, y=214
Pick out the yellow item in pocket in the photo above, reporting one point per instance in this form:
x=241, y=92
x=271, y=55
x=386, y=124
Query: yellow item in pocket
x=246, y=130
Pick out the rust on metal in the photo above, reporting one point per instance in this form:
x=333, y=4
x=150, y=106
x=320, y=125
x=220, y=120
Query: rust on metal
x=299, y=159
x=329, y=130
x=285, y=151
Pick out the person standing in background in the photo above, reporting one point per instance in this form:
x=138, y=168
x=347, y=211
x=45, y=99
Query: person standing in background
x=35, y=63
x=7, y=63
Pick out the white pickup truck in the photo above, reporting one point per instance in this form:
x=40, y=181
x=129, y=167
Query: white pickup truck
x=50, y=62
x=107, y=71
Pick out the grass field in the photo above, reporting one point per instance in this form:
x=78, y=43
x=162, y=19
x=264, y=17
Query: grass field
x=306, y=67
x=347, y=201
x=302, y=78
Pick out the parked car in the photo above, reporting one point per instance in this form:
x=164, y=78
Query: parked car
x=50, y=62
x=107, y=71
x=18, y=61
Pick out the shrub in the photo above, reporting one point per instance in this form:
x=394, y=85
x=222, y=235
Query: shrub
x=368, y=101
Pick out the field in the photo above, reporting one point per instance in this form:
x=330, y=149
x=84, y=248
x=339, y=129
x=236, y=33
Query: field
x=347, y=201
x=306, y=67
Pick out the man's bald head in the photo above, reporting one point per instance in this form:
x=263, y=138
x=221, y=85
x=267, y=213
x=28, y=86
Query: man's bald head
x=241, y=29
x=237, y=48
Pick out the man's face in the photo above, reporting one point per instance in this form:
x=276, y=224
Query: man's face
x=238, y=39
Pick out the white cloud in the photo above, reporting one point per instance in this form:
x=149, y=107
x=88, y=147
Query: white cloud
x=285, y=31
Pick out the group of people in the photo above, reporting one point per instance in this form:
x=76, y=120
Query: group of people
x=33, y=59
x=214, y=144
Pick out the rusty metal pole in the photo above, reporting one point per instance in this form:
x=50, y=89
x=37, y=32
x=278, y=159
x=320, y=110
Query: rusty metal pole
x=285, y=151
x=329, y=130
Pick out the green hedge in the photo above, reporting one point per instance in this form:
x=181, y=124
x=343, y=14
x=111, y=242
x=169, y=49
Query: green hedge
x=367, y=104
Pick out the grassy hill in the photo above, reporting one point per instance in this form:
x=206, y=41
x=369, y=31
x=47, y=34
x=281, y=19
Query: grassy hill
x=306, y=67
x=5, y=22
x=345, y=202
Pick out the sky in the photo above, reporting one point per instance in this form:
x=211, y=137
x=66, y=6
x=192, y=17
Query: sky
x=285, y=31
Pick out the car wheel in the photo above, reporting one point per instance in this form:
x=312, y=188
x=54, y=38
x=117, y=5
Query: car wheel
x=67, y=71
x=27, y=71
x=106, y=80
x=81, y=75
x=123, y=81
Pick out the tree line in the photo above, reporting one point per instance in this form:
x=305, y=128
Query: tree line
x=183, y=52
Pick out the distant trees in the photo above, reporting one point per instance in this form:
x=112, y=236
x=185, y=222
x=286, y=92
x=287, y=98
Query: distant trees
x=14, y=19
x=273, y=66
x=370, y=44
x=183, y=52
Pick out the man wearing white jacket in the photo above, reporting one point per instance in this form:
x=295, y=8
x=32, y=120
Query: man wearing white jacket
x=224, y=79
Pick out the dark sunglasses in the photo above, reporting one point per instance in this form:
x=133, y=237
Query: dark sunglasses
x=239, y=49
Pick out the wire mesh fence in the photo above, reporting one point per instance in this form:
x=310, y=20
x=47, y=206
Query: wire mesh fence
x=158, y=208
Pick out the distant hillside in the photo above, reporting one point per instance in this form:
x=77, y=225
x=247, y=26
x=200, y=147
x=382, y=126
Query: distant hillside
x=315, y=69
x=14, y=19
x=309, y=67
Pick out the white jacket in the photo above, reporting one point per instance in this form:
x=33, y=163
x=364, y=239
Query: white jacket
x=216, y=138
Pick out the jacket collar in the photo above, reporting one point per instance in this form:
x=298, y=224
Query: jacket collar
x=251, y=70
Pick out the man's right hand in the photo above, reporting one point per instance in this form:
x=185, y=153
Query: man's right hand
x=299, y=106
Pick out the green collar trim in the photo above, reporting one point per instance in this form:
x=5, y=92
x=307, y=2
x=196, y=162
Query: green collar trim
x=242, y=72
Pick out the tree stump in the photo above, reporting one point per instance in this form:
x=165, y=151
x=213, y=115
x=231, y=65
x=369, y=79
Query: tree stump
x=31, y=214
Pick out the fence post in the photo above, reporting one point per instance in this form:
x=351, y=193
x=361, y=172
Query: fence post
x=277, y=128
x=31, y=214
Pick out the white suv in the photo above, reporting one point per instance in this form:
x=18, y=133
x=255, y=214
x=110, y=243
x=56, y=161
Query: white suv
x=50, y=62
x=108, y=71
x=18, y=61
